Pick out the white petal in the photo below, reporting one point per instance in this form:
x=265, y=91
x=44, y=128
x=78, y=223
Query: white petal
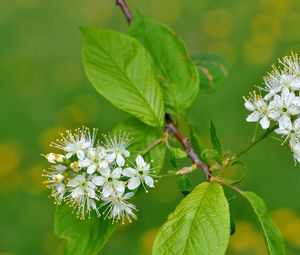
x=110, y=157
x=253, y=117
x=116, y=173
x=285, y=122
x=80, y=154
x=86, y=145
x=274, y=114
x=119, y=186
x=51, y=158
x=149, y=181
x=133, y=183
x=98, y=180
x=103, y=164
x=140, y=161
x=249, y=106
x=281, y=131
x=105, y=172
x=128, y=195
x=264, y=122
x=107, y=190
x=285, y=94
x=91, y=193
x=129, y=172
x=120, y=160
x=91, y=169
x=69, y=155
x=126, y=153
x=85, y=163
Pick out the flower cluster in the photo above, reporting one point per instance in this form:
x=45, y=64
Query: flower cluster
x=87, y=175
x=280, y=102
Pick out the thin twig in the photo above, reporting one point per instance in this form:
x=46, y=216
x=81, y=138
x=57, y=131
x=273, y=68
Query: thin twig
x=125, y=9
x=170, y=124
x=152, y=145
x=185, y=144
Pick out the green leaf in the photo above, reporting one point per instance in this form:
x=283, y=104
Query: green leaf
x=142, y=137
x=176, y=72
x=214, y=139
x=178, y=153
x=122, y=71
x=212, y=71
x=184, y=185
x=200, y=224
x=272, y=235
x=84, y=236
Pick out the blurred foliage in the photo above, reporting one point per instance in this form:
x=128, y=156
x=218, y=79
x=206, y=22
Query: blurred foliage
x=44, y=91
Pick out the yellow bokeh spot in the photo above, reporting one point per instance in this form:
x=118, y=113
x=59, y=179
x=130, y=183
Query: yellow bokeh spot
x=173, y=7
x=50, y=135
x=259, y=51
x=217, y=24
x=266, y=25
x=289, y=224
x=10, y=177
x=247, y=239
x=278, y=8
x=147, y=241
x=72, y=114
x=10, y=158
x=33, y=179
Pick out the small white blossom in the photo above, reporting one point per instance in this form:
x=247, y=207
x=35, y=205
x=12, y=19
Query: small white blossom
x=259, y=108
x=139, y=175
x=117, y=148
x=110, y=182
x=119, y=209
x=83, y=195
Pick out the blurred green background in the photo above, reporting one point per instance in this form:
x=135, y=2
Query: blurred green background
x=44, y=90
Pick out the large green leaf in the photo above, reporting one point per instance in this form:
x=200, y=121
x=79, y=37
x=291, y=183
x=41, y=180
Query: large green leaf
x=212, y=71
x=200, y=224
x=84, y=236
x=272, y=235
x=122, y=71
x=176, y=71
x=142, y=137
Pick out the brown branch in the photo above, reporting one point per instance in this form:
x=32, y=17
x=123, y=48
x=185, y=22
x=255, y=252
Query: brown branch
x=125, y=9
x=170, y=124
x=185, y=144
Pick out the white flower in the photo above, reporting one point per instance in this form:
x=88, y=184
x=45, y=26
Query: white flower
x=139, y=175
x=119, y=209
x=282, y=107
x=259, y=109
x=55, y=182
x=110, y=182
x=291, y=132
x=117, y=148
x=83, y=195
x=76, y=143
x=54, y=158
x=95, y=160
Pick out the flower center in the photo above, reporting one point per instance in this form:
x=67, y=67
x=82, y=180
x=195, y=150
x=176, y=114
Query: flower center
x=140, y=172
x=110, y=179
